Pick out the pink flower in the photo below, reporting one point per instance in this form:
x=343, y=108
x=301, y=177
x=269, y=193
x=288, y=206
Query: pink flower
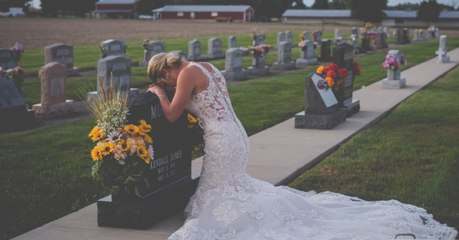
x=17, y=47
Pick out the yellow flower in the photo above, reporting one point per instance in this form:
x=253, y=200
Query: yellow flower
x=147, y=138
x=141, y=150
x=320, y=70
x=146, y=157
x=330, y=81
x=96, y=134
x=144, y=126
x=131, y=129
x=96, y=154
x=125, y=145
x=107, y=148
x=191, y=120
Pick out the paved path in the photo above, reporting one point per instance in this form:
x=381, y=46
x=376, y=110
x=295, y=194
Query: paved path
x=277, y=155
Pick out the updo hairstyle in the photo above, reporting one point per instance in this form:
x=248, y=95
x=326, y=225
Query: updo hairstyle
x=160, y=62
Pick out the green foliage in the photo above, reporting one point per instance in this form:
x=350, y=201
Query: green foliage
x=429, y=11
x=320, y=4
x=369, y=11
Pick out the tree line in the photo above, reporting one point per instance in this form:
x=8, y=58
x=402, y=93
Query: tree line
x=366, y=10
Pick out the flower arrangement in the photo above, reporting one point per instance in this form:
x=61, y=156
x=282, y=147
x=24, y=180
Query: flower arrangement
x=18, y=50
x=391, y=61
x=259, y=50
x=16, y=75
x=333, y=75
x=122, y=151
x=302, y=43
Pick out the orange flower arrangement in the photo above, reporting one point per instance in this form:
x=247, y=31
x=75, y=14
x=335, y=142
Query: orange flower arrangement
x=331, y=73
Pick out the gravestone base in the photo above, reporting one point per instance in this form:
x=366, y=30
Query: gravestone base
x=283, y=66
x=235, y=75
x=72, y=71
x=132, y=93
x=55, y=110
x=320, y=121
x=16, y=118
x=302, y=63
x=216, y=56
x=352, y=108
x=394, y=84
x=443, y=59
x=258, y=70
x=142, y=213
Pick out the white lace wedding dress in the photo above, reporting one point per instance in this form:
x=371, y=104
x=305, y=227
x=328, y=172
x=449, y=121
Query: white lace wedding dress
x=229, y=204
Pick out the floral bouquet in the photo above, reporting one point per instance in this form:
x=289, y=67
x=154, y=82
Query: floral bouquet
x=302, y=43
x=18, y=50
x=122, y=151
x=334, y=76
x=16, y=75
x=391, y=62
x=259, y=50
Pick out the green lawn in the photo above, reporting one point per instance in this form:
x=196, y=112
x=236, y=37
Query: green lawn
x=45, y=173
x=412, y=156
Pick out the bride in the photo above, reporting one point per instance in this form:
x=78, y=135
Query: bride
x=229, y=204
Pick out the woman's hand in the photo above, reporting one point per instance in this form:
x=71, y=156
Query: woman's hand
x=156, y=89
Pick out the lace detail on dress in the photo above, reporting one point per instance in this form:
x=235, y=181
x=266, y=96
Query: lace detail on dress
x=228, y=204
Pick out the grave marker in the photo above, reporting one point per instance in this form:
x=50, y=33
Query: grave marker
x=233, y=65
x=321, y=110
x=53, y=99
x=63, y=54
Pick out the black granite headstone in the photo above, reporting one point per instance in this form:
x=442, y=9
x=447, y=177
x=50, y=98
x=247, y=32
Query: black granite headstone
x=321, y=110
x=14, y=114
x=168, y=176
x=343, y=56
x=8, y=59
x=325, y=50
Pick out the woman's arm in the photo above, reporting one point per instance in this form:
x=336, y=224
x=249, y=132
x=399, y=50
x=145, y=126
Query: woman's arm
x=186, y=83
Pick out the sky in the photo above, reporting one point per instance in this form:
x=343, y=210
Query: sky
x=36, y=3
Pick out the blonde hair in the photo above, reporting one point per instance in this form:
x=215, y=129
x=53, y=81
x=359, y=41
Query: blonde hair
x=162, y=61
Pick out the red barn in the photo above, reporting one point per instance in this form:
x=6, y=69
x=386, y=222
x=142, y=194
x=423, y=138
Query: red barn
x=229, y=13
x=116, y=8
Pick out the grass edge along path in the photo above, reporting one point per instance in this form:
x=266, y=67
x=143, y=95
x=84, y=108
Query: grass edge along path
x=45, y=173
x=412, y=155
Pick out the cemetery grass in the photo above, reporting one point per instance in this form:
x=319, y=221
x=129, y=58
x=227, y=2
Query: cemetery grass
x=45, y=173
x=412, y=156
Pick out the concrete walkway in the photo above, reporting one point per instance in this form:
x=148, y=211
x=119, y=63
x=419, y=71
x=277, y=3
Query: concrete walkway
x=277, y=155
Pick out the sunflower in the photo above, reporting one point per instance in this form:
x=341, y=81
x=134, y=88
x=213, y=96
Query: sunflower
x=144, y=126
x=107, y=148
x=96, y=134
x=96, y=154
x=141, y=150
x=125, y=145
x=147, y=138
x=131, y=129
x=191, y=120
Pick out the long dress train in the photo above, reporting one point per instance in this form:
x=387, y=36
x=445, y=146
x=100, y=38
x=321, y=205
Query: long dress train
x=229, y=204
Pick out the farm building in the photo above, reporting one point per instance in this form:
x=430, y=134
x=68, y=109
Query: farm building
x=228, y=13
x=115, y=8
x=393, y=17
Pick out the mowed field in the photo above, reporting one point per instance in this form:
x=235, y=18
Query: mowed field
x=40, y=32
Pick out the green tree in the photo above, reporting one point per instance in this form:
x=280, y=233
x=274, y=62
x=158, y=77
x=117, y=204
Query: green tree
x=369, y=11
x=429, y=11
x=320, y=4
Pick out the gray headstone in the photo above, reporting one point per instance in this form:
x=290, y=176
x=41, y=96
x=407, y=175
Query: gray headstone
x=194, y=50
x=289, y=37
x=337, y=33
x=258, y=39
x=306, y=35
x=61, y=53
x=112, y=47
x=284, y=56
x=116, y=69
x=233, y=65
x=215, y=48
x=281, y=37
x=9, y=94
x=151, y=48
x=8, y=59
x=394, y=79
x=442, y=51
x=232, y=42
